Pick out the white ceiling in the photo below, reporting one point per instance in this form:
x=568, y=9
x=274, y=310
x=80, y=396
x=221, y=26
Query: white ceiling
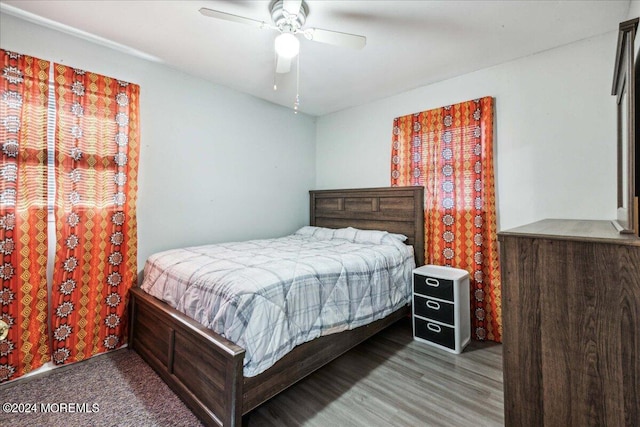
x=409, y=43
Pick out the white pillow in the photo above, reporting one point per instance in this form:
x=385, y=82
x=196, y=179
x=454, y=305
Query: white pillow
x=348, y=233
x=378, y=237
x=307, y=230
x=353, y=235
x=321, y=233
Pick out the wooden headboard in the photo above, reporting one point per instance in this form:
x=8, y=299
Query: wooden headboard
x=393, y=209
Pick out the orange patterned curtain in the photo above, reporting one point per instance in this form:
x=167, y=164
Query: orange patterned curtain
x=449, y=151
x=96, y=169
x=23, y=213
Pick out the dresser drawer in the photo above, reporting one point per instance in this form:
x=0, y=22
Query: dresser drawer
x=434, y=310
x=435, y=332
x=433, y=287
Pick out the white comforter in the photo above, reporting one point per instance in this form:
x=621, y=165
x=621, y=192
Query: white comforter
x=270, y=295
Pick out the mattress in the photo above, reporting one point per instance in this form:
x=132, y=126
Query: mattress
x=270, y=295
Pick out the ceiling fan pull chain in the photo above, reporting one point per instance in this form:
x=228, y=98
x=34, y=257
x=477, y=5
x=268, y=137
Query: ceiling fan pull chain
x=275, y=71
x=297, y=103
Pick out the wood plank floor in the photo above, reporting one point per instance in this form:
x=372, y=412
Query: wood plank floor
x=392, y=380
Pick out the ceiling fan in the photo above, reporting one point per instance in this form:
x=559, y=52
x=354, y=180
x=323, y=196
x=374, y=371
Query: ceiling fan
x=288, y=17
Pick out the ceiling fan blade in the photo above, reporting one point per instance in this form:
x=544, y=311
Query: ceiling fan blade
x=292, y=6
x=234, y=18
x=336, y=38
x=283, y=65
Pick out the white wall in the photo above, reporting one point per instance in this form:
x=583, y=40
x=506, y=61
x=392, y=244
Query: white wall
x=555, y=133
x=215, y=164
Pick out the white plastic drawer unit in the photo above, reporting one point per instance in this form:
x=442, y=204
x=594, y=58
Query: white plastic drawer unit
x=441, y=307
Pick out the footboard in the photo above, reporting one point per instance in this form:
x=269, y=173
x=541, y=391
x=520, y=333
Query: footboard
x=202, y=367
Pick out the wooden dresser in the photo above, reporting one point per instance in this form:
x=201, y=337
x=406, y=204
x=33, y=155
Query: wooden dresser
x=571, y=324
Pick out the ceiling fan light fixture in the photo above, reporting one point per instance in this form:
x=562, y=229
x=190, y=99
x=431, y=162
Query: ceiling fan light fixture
x=287, y=45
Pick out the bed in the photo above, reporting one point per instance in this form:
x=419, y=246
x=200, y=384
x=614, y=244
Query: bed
x=206, y=370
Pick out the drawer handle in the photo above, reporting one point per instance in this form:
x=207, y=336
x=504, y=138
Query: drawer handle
x=434, y=328
x=433, y=282
x=433, y=305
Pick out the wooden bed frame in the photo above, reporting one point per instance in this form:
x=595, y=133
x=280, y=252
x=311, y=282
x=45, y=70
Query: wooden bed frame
x=205, y=369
